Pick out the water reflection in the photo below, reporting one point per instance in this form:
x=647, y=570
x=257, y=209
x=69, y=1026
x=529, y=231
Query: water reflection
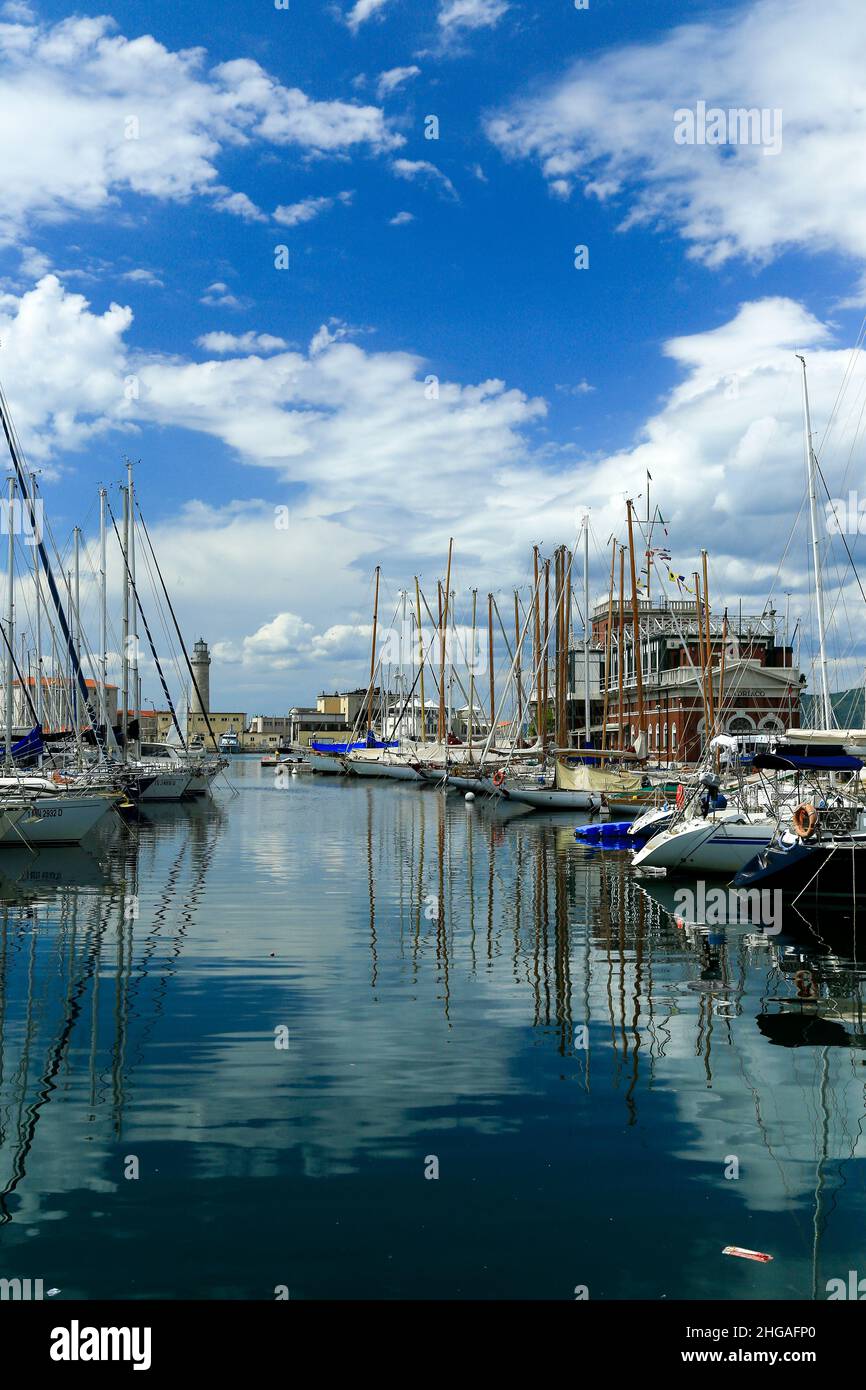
x=459, y=980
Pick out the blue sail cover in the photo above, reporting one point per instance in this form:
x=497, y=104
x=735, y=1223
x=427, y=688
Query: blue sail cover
x=30, y=745
x=322, y=746
x=791, y=762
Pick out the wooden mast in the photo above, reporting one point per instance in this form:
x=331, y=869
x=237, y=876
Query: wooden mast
x=443, y=624
x=621, y=661
x=607, y=646
x=567, y=644
x=559, y=603
x=518, y=670
x=710, y=695
x=545, y=656
x=536, y=641
x=373, y=654
x=472, y=673
x=641, y=720
x=700, y=618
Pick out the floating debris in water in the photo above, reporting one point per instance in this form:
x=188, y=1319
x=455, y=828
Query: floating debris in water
x=746, y=1254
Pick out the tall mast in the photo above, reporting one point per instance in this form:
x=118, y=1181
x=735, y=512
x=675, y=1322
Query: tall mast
x=586, y=705
x=373, y=654
x=443, y=628
x=135, y=679
x=125, y=633
x=709, y=644
x=607, y=637
x=699, y=615
x=518, y=670
x=559, y=599
x=621, y=662
x=636, y=633
x=10, y=624
x=545, y=659
x=490, y=664
x=811, y=472
x=536, y=641
x=37, y=587
x=421, y=660
x=472, y=672
x=451, y=666
x=76, y=626
x=103, y=617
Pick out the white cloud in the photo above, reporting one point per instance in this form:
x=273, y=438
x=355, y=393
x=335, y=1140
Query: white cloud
x=581, y=388
x=219, y=296
x=294, y=214
x=363, y=10
x=18, y=11
x=143, y=277
x=608, y=126
x=470, y=14
x=400, y=219
x=239, y=205
x=382, y=462
x=225, y=343
x=392, y=79
x=422, y=169
x=106, y=115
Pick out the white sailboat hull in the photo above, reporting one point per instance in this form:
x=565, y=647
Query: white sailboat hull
x=720, y=847
x=326, y=762
x=57, y=820
x=166, y=786
x=553, y=799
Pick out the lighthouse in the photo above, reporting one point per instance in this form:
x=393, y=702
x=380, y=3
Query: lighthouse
x=200, y=698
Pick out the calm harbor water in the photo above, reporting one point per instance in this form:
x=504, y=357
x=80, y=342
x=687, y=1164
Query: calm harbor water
x=458, y=985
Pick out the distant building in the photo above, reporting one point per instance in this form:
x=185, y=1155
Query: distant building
x=59, y=697
x=761, y=691
x=334, y=715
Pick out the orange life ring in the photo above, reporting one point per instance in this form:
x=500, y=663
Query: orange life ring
x=498, y=777
x=58, y=779
x=804, y=820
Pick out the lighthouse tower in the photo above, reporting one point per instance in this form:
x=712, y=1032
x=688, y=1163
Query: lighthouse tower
x=200, y=662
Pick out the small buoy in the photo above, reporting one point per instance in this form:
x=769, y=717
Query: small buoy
x=470, y=796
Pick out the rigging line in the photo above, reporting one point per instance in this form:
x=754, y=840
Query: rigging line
x=842, y=386
x=842, y=534
x=177, y=627
x=173, y=657
x=19, y=467
x=165, y=689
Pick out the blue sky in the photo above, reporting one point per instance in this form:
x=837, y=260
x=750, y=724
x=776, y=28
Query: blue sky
x=305, y=128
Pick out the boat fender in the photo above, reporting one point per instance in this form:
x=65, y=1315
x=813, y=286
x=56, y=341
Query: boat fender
x=498, y=777
x=804, y=820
